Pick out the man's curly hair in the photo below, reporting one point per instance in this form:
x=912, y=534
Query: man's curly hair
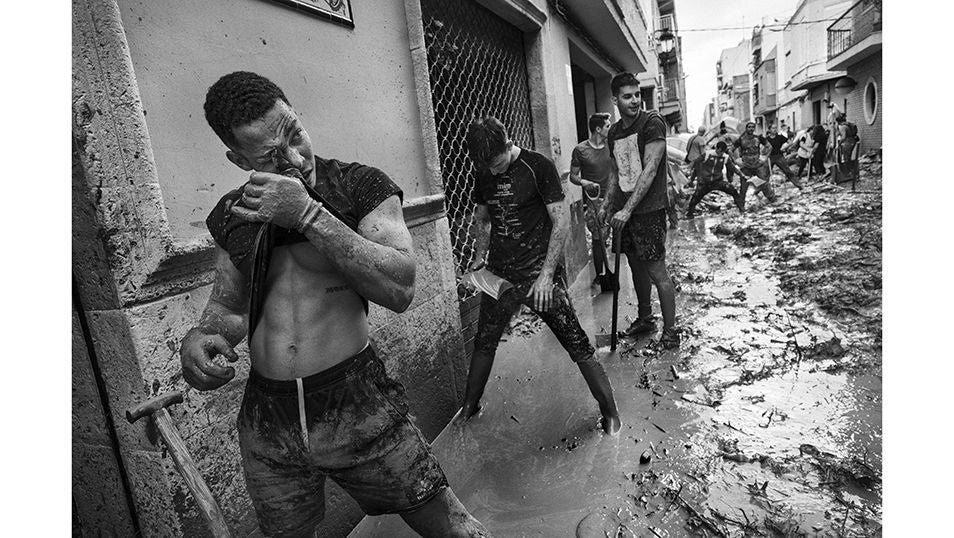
x=239, y=98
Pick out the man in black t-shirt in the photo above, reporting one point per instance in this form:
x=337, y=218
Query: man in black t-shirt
x=779, y=143
x=520, y=199
x=301, y=249
x=637, y=203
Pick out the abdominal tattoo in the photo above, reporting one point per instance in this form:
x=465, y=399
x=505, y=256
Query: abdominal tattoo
x=336, y=289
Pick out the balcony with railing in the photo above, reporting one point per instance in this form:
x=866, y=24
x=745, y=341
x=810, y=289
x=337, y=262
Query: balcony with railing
x=855, y=35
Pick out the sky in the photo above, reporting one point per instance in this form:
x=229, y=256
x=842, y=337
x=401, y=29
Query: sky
x=701, y=50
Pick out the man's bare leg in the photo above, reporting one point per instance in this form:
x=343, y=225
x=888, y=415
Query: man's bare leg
x=444, y=516
x=667, y=293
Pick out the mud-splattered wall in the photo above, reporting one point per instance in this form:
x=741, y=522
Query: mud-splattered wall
x=149, y=168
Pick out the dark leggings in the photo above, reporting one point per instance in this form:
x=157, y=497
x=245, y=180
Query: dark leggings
x=561, y=319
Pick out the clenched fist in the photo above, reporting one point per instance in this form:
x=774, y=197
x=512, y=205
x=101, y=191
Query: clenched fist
x=198, y=368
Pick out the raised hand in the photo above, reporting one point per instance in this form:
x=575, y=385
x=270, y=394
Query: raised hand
x=274, y=198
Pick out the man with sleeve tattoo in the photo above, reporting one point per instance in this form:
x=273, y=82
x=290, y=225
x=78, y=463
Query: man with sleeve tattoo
x=302, y=247
x=523, y=217
x=637, y=202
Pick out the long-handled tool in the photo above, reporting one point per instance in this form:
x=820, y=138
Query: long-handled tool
x=616, y=247
x=156, y=408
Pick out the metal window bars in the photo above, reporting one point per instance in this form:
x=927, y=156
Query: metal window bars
x=477, y=67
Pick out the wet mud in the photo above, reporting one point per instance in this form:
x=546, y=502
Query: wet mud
x=766, y=421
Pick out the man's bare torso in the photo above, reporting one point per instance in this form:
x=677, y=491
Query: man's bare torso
x=311, y=319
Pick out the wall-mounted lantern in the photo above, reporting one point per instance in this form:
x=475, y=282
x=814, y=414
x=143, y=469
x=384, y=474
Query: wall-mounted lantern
x=666, y=40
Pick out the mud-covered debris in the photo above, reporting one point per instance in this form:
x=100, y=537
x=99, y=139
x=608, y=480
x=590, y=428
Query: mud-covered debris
x=836, y=472
x=828, y=349
x=645, y=457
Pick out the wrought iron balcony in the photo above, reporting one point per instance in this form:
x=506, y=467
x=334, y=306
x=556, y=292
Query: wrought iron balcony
x=666, y=23
x=860, y=21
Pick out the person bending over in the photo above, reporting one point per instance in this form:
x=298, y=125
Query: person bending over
x=708, y=170
x=522, y=223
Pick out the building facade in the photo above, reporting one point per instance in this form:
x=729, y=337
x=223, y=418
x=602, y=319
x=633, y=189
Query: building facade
x=732, y=80
x=854, y=45
x=806, y=96
x=389, y=84
x=764, y=77
x=672, y=87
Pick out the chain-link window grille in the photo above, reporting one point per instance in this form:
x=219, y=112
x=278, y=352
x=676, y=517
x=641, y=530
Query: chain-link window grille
x=477, y=67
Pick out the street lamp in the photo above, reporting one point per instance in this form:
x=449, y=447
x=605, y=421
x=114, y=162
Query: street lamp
x=666, y=40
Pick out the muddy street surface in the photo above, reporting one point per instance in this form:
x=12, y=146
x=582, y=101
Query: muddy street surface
x=766, y=421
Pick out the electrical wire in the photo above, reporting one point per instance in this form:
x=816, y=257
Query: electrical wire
x=763, y=26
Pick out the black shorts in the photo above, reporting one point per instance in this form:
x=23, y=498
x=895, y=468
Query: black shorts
x=644, y=236
x=355, y=429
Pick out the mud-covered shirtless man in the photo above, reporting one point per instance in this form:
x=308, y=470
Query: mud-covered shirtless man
x=296, y=275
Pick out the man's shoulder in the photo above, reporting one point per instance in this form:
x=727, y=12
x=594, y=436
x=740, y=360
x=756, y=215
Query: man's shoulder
x=533, y=158
x=220, y=221
x=349, y=171
x=652, y=120
x=222, y=209
x=583, y=148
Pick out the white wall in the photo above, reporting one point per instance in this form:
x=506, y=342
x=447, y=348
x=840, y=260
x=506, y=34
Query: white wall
x=336, y=76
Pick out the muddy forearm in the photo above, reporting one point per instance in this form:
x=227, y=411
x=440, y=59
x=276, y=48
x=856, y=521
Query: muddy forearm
x=561, y=228
x=481, y=240
x=379, y=273
x=218, y=318
x=611, y=184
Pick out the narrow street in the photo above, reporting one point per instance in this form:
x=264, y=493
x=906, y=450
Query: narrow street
x=766, y=422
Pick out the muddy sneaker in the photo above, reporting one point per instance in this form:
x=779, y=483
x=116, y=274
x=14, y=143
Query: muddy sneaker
x=640, y=326
x=669, y=339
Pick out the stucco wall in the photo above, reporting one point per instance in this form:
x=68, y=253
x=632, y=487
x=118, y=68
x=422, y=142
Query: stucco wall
x=352, y=88
x=145, y=160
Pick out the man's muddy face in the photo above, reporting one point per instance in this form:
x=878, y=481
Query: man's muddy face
x=278, y=131
x=627, y=101
x=750, y=128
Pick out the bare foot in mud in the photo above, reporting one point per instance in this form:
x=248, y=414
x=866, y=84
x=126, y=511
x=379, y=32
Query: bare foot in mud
x=611, y=425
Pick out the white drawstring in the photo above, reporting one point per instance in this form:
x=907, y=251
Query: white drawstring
x=301, y=411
